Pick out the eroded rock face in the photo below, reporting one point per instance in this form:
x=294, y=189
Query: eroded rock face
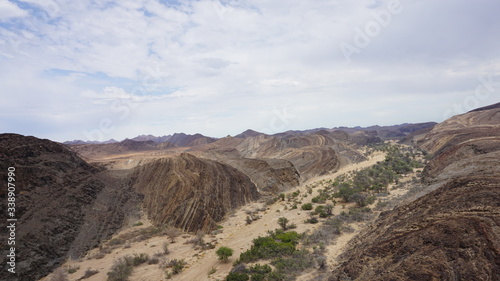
x=56, y=196
x=269, y=175
x=191, y=193
x=451, y=233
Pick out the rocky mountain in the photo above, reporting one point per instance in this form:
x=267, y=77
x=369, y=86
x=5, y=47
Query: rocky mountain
x=64, y=206
x=452, y=232
x=248, y=133
x=181, y=139
x=75, y=142
x=191, y=193
x=151, y=138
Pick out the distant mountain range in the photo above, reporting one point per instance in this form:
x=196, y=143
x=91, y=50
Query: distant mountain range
x=184, y=140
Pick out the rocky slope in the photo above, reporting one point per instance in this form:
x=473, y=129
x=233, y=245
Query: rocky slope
x=451, y=233
x=191, y=193
x=64, y=206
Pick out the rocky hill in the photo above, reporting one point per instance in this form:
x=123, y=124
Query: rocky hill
x=64, y=206
x=311, y=154
x=451, y=233
x=93, y=151
x=191, y=193
x=181, y=139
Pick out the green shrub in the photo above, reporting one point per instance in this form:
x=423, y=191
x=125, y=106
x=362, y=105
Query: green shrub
x=177, y=266
x=224, y=253
x=278, y=244
x=312, y=220
x=235, y=276
x=307, y=207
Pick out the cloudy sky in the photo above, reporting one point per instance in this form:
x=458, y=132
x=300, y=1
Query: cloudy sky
x=95, y=70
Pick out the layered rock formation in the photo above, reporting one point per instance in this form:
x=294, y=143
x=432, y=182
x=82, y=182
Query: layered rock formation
x=451, y=233
x=191, y=193
x=64, y=206
x=269, y=175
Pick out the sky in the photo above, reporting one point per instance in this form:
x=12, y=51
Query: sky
x=96, y=70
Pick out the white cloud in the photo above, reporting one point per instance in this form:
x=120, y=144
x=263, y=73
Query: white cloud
x=10, y=10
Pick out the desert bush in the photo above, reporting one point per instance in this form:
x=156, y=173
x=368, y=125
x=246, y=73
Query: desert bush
x=345, y=191
x=139, y=259
x=154, y=260
x=224, y=253
x=277, y=244
x=358, y=198
x=121, y=270
x=297, y=262
x=72, y=269
x=311, y=220
x=283, y=223
x=235, y=276
x=307, y=207
x=172, y=233
x=89, y=272
x=334, y=225
x=257, y=268
x=177, y=265
x=359, y=214
x=166, y=251
x=329, y=209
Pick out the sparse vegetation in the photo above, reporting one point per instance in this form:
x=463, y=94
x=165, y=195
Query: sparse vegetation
x=177, y=266
x=121, y=270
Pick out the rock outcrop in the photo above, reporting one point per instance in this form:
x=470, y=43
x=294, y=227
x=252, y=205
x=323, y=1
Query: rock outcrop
x=64, y=206
x=451, y=233
x=191, y=193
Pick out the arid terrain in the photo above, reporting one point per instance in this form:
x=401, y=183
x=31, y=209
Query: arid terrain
x=406, y=202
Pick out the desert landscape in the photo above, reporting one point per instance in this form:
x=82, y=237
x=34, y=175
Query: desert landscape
x=406, y=202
